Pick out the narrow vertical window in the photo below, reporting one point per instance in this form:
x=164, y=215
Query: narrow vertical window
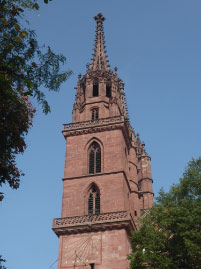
x=93, y=201
x=90, y=204
x=94, y=114
x=91, y=161
x=97, y=204
x=98, y=161
x=95, y=89
x=108, y=90
x=94, y=158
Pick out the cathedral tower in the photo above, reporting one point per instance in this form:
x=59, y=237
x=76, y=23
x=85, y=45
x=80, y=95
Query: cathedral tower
x=107, y=180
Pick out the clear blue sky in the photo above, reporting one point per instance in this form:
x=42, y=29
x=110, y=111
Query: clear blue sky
x=156, y=45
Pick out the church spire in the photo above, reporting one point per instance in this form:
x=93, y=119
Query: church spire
x=99, y=60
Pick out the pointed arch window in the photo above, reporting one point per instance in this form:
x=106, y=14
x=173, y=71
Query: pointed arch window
x=94, y=158
x=94, y=201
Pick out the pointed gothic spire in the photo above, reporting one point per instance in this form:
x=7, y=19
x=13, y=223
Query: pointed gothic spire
x=99, y=60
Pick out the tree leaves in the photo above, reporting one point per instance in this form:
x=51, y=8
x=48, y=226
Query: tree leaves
x=171, y=234
x=46, y=1
x=23, y=34
x=36, y=6
x=4, y=21
x=17, y=39
x=25, y=67
x=17, y=27
x=1, y=263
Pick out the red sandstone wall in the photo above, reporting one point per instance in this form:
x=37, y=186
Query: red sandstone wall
x=113, y=153
x=114, y=194
x=111, y=250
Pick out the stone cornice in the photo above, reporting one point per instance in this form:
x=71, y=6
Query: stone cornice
x=101, y=174
x=94, y=102
x=92, y=123
x=94, y=175
x=105, y=221
x=99, y=125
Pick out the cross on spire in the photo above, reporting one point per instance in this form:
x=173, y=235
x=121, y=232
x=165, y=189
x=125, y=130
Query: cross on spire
x=99, y=60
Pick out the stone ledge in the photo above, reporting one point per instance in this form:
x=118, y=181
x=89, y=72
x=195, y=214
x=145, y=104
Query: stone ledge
x=78, y=224
x=92, y=123
x=99, y=125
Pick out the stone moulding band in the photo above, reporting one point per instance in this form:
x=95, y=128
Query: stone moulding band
x=92, y=123
x=99, y=125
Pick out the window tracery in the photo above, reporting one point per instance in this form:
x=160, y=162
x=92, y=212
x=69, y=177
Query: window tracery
x=94, y=158
x=94, y=201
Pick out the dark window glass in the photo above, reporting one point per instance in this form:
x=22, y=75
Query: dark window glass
x=92, y=266
x=94, y=158
x=95, y=89
x=108, y=90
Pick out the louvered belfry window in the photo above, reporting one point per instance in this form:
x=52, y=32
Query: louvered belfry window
x=93, y=201
x=94, y=114
x=94, y=158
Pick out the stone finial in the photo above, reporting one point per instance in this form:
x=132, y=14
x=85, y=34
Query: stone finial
x=115, y=70
x=79, y=77
x=138, y=138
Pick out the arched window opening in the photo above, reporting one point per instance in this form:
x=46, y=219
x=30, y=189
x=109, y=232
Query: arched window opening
x=94, y=158
x=108, y=90
x=95, y=89
x=94, y=114
x=93, y=201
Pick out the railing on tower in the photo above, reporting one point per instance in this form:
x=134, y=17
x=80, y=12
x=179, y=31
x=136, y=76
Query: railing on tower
x=100, y=218
x=91, y=123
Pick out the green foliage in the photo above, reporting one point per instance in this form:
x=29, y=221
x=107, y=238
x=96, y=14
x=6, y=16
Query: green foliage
x=1, y=263
x=25, y=67
x=170, y=235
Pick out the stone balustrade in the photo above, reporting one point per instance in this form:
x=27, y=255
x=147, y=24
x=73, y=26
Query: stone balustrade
x=91, y=219
x=92, y=123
